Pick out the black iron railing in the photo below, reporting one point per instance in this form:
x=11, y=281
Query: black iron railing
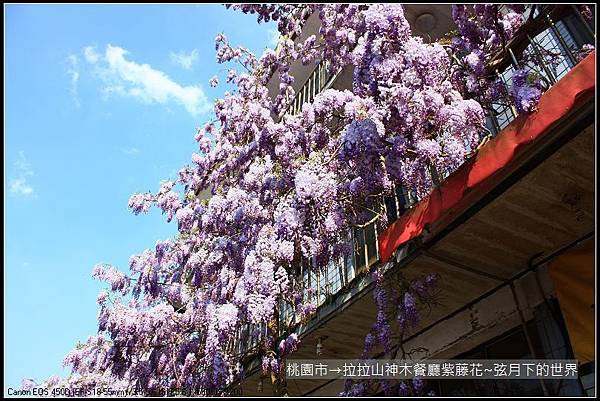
x=320, y=79
x=551, y=47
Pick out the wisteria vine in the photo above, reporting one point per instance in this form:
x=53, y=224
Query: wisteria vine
x=268, y=194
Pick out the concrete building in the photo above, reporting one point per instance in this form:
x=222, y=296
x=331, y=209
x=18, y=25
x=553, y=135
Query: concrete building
x=515, y=254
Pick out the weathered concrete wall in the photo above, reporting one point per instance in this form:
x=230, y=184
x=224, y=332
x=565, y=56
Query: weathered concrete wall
x=485, y=320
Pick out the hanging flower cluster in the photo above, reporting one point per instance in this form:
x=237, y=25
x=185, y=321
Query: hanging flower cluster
x=400, y=305
x=526, y=90
x=484, y=32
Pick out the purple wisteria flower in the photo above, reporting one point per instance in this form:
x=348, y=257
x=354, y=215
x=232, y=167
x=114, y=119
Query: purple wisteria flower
x=525, y=91
x=268, y=195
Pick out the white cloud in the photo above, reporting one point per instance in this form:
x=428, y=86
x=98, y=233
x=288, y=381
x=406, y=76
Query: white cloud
x=73, y=72
x=184, y=60
x=142, y=82
x=18, y=185
x=131, y=151
x=90, y=54
x=23, y=165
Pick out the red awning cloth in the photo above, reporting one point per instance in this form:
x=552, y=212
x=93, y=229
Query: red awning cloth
x=557, y=102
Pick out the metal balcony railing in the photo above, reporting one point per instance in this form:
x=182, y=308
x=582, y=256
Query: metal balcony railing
x=562, y=32
x=320, y=79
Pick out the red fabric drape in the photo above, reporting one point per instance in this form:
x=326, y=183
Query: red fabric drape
x=557, y=102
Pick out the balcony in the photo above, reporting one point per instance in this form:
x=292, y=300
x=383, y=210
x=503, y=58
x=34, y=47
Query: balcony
x=558, y=30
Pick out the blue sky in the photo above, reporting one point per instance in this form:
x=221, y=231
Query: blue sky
x=100, y=102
